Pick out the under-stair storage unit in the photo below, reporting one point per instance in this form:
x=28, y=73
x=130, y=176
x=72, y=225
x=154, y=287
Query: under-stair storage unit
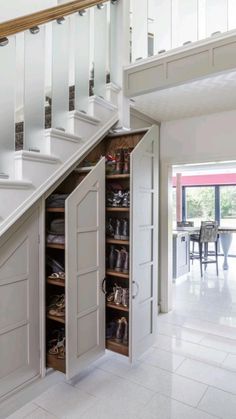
x=101, y=269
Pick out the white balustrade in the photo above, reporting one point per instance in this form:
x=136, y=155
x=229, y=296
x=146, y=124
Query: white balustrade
x=100, y=44
x=34, y=88
x=7, y=106
x=60, y=73
x=139, y=29
x=82, y=60
x=216, y=16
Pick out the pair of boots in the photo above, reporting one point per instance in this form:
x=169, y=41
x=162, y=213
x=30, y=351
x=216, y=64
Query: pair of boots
x=122, y=158
x=122, y=331
x=119, y=260
x=119, y=295
x=118, y=330
x=118, y=198
x=118, y=228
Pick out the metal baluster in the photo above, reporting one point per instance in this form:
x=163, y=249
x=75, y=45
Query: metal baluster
x=34, y=89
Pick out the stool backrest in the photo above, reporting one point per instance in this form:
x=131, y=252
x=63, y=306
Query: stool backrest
x=185, y=224
x=208, y=231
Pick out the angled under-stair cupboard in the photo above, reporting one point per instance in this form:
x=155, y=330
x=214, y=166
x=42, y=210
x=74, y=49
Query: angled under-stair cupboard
x=86, y=275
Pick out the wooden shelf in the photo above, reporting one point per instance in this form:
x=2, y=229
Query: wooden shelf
x=112, y=345
x=117, y=209
x=117, y=274
x=85, y=169
x=118, y=176
x=55, y=363
x=61, y=210
x=56, y=318
x=115, y=241
x=55, y=246
x=117, y=307
x=57, y=282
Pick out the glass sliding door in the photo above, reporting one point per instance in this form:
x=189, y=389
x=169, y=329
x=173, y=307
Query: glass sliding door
x=200, y=204
x=228, y=211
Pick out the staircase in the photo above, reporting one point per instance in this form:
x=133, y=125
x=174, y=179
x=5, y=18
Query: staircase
x=59, y=128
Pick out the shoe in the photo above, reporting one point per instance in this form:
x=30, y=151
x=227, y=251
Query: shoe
x=118, y=198
x=111, y=296
x=118, y=266
x=119, y=331
x=126, y=166
x=119, y=156
x=112, y=258
x=110, y=163
x=117, y=234
x=126, y=199
x=118, y=295
x=125, y=261
x=110, y=228
x=125, y=297
x=125, y=339
x=111, y=330
x=124, y=229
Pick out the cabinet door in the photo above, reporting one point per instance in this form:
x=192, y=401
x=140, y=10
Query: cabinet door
x=19, y=306
x=85, y=271
x=144, y=248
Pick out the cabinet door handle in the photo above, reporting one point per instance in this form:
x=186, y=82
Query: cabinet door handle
x=137, y=289
x=104, y=286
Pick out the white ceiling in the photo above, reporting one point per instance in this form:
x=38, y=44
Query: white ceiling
x=206, y=168
x=209, y=95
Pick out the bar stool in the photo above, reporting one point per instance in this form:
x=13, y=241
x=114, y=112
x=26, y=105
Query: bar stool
x=208, y=234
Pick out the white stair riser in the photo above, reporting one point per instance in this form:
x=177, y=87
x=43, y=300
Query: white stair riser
x=11, y=199
x=36, y=172
x=62, y=148
x=101, y=112
x=82, y=128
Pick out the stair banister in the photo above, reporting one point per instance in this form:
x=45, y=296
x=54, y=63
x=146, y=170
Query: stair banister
x=21, y=24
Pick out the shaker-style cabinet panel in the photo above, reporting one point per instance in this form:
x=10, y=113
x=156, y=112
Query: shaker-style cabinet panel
x=19, y=306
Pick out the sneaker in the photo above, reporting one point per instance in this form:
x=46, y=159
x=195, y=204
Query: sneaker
x=126, y=199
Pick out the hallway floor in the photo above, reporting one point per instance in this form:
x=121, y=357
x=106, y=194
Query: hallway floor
x=190, y=373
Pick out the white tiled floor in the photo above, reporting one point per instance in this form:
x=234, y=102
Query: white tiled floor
x=190, y=373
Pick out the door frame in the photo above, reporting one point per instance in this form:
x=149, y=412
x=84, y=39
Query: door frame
x=165, y=220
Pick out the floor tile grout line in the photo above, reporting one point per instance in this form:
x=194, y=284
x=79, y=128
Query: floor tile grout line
x=199, y=344
x=198, y=319
x=206, y=390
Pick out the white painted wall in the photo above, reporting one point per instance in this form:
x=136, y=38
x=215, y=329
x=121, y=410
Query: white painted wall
x=191, y=140
x=16, y=8
x=199, y=138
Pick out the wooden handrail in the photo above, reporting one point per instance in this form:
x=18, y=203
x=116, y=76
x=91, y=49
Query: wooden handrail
x=24, y=23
